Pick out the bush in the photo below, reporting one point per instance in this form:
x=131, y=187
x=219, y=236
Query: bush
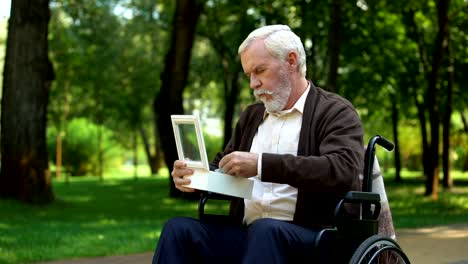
x=80, y=147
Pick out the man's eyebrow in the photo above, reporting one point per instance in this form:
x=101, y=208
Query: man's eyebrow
x=255, y=69
x=260, y=68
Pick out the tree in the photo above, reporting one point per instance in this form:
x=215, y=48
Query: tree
x=225, y=26
x=446, y=180
x=146, y=29
x=174, y=76
x=28, y=74
x=433, y=96
x=431, y=56
x=334, y=45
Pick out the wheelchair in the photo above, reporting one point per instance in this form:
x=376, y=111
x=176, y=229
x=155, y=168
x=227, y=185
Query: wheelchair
x=354, y=239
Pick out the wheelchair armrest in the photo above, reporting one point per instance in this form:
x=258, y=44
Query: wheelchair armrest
x=365, y=198
x=362, y=197
x=205, y=196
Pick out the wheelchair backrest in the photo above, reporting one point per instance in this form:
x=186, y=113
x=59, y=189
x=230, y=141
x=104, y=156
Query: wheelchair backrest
x=385, y=217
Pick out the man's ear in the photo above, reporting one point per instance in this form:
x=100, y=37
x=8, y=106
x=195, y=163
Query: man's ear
x=292, y=60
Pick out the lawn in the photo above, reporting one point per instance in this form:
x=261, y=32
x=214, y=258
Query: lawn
x=123, y=215
x=89, y=218
x=411, y=209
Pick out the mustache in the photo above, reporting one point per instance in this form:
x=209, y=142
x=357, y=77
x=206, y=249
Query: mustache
x=262, y=92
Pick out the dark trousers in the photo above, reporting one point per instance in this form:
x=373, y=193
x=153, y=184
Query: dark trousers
x=189, y=240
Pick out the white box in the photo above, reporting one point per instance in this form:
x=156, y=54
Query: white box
x=187, y=128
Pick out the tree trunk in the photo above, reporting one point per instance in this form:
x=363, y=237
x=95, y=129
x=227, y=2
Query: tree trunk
x=152, y=159
x=61, y=128
x=100, y=164
x=231, y=95
x=395, y=139
x=229, y=59
x=424, y=139
x=28, y=74
x=174, y=77
x=447, y=182
x=433, y=97
x=412, y=33
x=58, y=155
x=305, y=33
x=465, y=123
x=465, y=129
x=135, y=155
x=334, y=45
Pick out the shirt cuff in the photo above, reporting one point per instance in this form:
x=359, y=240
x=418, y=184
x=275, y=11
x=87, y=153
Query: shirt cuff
x=259, y=165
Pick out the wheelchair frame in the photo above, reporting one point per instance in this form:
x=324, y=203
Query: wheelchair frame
x=356, y=237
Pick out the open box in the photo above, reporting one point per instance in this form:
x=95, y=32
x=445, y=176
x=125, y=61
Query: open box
x=191, y=149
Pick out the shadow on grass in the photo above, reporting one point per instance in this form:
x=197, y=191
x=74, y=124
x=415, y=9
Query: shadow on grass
x=420, y=181
x=411, y=208
x=90, y=218
x=111, y=199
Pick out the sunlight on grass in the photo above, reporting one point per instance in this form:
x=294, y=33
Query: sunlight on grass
x=119, y=215
x=152, y=235
x=102, y=222
x=80, y=199
x=169, y=201
x=4, y=226
x=410, y=208
x=7, y=256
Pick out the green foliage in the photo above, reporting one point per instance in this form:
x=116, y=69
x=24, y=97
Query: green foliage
x=80, y=147
x=460, y=152
x=107, y=64
x=213, y=145
x=108, y=57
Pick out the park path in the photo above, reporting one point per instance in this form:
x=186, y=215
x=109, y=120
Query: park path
x=434, y=245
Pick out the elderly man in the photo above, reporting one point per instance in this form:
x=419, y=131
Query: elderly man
x=301, y=145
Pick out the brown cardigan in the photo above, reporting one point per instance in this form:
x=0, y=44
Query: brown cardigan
x=329, y=158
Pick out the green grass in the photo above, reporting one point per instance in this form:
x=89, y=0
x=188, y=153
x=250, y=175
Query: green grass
x=89, y=218
x=121, y=215
x=410, y=208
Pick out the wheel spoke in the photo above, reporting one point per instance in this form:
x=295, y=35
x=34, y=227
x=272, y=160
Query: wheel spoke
x=378, y=249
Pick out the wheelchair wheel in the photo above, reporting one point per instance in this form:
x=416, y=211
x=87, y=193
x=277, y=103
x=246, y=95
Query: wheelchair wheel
x=378, y=249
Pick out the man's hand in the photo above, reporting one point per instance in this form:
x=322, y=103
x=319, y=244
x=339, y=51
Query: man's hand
x=178, y=172
x=240, y=164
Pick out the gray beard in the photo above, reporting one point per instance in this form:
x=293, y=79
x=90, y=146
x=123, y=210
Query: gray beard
x=280, y=96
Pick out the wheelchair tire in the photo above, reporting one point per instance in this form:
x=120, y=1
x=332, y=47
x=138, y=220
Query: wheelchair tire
x=378, y=249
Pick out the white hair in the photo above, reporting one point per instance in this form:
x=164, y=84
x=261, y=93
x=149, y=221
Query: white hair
x=279, y=41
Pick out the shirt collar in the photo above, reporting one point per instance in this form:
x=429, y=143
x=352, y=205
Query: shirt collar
x=298, y=106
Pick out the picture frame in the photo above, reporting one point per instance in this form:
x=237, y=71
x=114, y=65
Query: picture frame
x=189, y=140
x=191, y=149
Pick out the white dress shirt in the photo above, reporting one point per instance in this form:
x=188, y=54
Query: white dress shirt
x=278, y=133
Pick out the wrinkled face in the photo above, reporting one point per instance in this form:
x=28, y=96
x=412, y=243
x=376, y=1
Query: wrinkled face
x=269, y=77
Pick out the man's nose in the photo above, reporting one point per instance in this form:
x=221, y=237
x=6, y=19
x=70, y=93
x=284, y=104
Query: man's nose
x=254, y=82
